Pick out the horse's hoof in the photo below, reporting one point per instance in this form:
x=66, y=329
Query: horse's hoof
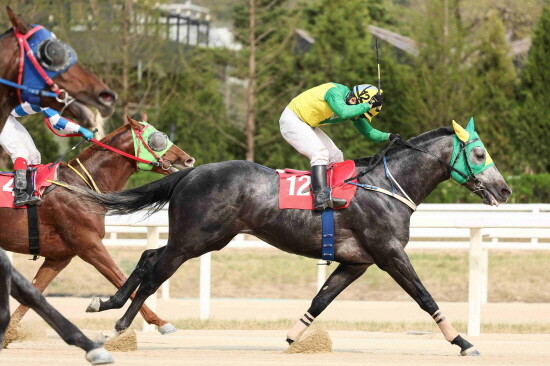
x=289, y=341
x=472, y=351
x=94, y=305
x=167, y=329
x=99, y=356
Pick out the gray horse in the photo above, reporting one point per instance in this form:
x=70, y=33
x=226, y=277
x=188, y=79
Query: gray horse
x=13, y=282
x=210, y=204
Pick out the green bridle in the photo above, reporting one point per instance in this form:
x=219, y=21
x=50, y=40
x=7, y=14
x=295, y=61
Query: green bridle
x=147, y=149
x=465, y=140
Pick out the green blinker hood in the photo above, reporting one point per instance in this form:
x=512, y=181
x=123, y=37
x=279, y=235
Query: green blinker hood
x=142, y=152
x=463, y=140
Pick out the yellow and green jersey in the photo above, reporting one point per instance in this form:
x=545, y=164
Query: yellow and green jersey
x=326, y=104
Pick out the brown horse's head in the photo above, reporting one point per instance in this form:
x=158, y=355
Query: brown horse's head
x=79, y=83
x=175, y=157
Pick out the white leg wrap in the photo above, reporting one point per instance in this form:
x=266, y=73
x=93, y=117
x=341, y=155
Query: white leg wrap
x=295, y=333
x=449, y=332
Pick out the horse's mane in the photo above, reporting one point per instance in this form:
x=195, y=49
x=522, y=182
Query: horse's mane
x=6, y=32
x=417, y=140
x=431, y=135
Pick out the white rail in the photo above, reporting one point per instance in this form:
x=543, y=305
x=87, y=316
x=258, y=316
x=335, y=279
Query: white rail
x=466, y=226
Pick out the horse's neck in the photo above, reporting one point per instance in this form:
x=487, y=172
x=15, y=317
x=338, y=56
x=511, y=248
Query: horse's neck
x=416, y=172
x=109, y=170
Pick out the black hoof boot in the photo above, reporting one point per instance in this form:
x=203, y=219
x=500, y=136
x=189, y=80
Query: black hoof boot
x=466, y=348
x=289, y=341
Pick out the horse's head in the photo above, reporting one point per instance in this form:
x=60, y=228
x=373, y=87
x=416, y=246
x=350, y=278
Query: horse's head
x=474, y=167
x=153, y=145
x=48, y=62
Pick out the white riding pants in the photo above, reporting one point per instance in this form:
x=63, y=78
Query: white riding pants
x=309, y=141
x=18, y=143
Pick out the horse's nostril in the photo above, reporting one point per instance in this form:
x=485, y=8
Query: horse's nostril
x=505, y=192
x=189, y=162
x=107, y=97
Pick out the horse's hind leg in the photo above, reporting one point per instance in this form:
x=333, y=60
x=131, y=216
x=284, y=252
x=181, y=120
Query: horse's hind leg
x=171, y=259
x=104, y=263
x=5, y=283
x=341, y=278
x=45, y=275
x=395, y=261
x=146, y=262
x=27, y=295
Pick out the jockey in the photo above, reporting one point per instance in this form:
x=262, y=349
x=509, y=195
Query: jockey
x=328, y=103
x=19, y=145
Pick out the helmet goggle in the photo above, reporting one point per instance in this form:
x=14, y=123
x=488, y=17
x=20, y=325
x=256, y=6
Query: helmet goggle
x=55, y=55
x=158, y=141
x=364, y=94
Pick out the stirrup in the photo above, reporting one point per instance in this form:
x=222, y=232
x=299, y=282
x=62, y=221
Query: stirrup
x=28, y=200
x=337, y=203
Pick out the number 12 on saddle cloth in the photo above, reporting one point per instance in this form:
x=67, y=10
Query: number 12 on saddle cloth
x=295, y=185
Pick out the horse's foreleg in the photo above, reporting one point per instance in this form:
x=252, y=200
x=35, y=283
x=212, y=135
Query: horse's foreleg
x=45, y=275
x=104, y=263
x=395, y=261
x=26, y=294
x=341, y=278
x=5, y=284
x=124, y=292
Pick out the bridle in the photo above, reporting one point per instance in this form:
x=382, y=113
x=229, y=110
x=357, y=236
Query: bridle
x=137, y=135
x=470, y=177
x=32, y=81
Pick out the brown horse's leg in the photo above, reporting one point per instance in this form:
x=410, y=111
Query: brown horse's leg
x=46, y=273
x=105, y=264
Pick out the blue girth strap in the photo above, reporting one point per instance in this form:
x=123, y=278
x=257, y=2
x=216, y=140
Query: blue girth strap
x=327, y=219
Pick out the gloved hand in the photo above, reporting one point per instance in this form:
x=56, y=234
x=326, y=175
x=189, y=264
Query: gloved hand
x=87, y=134
x=376, y=101
x=394, y=136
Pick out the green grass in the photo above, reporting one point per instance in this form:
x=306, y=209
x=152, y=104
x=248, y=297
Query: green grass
x=285, y=324
x=268, y=273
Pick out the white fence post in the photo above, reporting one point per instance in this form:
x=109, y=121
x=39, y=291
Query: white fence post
x=474, y=286
x=10, y=256
x=484, y=275
x=151, y=302
x=204, y=292
x=321, y=274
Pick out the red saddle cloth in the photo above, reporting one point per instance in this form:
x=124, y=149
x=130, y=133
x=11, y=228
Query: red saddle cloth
x=42, y=174
x=295, y=185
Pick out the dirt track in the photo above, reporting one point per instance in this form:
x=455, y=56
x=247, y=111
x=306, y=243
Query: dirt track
x=266, y=348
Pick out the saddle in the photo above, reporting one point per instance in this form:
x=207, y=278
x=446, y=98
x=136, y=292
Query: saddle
x=295, y=185
x=42, y=175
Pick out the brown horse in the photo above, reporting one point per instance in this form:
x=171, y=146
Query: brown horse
x=68, y=228
x=76, y=82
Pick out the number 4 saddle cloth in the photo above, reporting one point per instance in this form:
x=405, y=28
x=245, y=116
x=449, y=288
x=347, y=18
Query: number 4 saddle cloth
x=41, y=176
x=295, y=185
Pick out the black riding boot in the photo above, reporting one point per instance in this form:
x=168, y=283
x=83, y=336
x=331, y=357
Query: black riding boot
x=23, y=198
x=321, y=193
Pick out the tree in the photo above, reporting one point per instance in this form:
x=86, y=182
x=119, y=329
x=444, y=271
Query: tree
x=533, y=125
x=493, y=94
x=265, y=29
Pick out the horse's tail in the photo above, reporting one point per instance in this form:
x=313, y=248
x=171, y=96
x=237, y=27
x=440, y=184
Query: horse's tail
x=152, y=196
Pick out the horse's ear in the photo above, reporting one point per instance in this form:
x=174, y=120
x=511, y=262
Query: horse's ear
x=135, y=123
x=461, y=133
x=471, y=126
x=18, y=23
x=143, y=117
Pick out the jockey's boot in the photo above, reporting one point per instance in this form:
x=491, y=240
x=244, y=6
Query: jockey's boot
x=321, y=193
x=23, y=198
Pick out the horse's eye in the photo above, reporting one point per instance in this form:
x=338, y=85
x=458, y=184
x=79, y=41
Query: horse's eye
x=478, y=154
